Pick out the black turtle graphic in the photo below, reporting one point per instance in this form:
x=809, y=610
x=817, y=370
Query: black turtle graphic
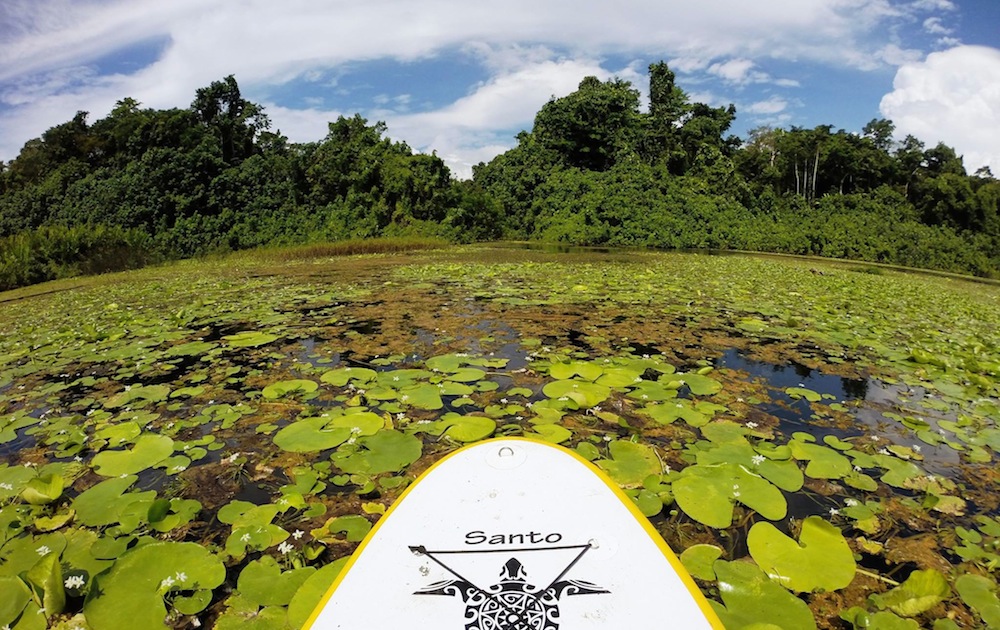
x=512, y=603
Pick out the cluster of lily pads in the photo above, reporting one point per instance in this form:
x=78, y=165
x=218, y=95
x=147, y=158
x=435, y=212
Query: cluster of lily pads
x=204, y=445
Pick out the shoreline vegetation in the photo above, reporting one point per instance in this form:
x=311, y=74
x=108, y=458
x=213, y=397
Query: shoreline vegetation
x=143, y=186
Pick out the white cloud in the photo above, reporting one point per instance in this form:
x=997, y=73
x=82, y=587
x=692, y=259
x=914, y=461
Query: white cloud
x=953, y=97
x=267, y=44
x=733, y=70
x=933, y=5
x=934, y=26
x=770, y=106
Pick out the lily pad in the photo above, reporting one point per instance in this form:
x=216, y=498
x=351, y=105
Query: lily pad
x=284, y=388
x=752, y=601
x=699, y=384
x=149, y=450
x=386, y=451
x=554, y=433
x=466, y=428
x=263, y=583
x=630, y=463
x=708, y=493
x=821, y=559
x=980, y=593
x=309, y=595
x=585, y=394
x=249, y=339
x=342, y=376
x=131, y=594
x=921, y=591
x=699, y=561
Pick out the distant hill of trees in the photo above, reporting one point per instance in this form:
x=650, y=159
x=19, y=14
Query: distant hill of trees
x=144, y=184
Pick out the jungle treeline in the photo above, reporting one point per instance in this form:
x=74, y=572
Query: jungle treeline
x=597, y=168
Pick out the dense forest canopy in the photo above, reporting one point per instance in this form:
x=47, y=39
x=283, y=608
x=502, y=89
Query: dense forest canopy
x=595, y=169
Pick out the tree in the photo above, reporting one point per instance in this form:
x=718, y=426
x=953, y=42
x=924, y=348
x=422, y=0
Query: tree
x=879, y=131
x=594, y=127
x=235, y=120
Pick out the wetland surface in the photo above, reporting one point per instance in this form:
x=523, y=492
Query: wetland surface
x=207, y=442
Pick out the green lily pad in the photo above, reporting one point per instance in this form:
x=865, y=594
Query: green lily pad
x=554, y=433
x=824, y=462
x=630, y=463
x=803, y=392
x=16, y=596
x=821, y=559
x=342, y=376
x=584, y=369
x=131, y=594
x=284, y=388
x=190, y=349
x=466, y=428
x=263, y=583
x=103, y=503
x=43, y=489
x=585, y=394
x=386, y=451
x=654, y=391
x=708, y=494
x=920, y=592
x=699, y=560
x=149, y=450
x=46, y=577
x=132, y=394
x=752, y=601
x=354, y=526
x=309, y=595
x=249, y=339
x=311, y=435
x=699, y=384
x=980, y=594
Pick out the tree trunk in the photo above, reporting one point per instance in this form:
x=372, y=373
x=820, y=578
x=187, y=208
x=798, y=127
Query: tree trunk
x=815, y=171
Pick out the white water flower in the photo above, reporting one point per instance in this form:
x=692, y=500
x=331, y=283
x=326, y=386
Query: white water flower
x=503, y=401
x=752, y=425
x=75, y=581
x=181, y=576
x=245, y=538
x=284, y=548
x=850, y=502
x=297, y=534
x=6, y=486
x=43, y=550
x=167, y=582
x=834, y=511
x=916, y=448
x=757, y=459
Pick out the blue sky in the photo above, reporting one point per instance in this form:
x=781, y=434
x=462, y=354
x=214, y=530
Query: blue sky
x=462, y=78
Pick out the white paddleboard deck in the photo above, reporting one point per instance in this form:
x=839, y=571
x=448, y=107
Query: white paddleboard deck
x=513, y=534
